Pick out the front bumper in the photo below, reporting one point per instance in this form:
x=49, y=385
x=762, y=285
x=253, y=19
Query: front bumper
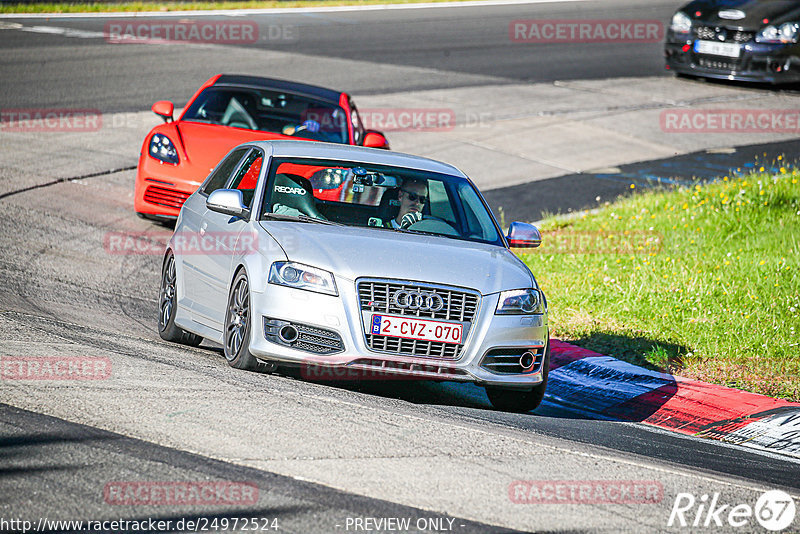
x=162, y=188
x=342, y=316
x=760, y=63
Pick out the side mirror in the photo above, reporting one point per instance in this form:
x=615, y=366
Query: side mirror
x=228, y=202
x=374, y=139
x=164, y=109
x=523, y=235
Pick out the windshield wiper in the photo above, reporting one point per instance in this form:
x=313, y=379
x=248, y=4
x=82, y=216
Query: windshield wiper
x=301, y=218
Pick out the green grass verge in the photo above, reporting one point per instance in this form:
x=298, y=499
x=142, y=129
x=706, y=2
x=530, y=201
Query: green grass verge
x=703, y=282
x=105, y=7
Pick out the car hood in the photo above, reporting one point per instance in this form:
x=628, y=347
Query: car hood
x=205, y=144
x=775, y=11
x=352, y=252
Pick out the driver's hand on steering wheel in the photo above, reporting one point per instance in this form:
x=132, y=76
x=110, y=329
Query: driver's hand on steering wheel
x=410, y=218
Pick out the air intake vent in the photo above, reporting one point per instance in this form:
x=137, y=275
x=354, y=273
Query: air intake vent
x=306, y=337
x=510, y=361
x=164, y=196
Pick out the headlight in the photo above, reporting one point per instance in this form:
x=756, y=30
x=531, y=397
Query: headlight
x=299, y=276
x=681, y=23
x=519, y=302
x=163, y=149
x=785, y=33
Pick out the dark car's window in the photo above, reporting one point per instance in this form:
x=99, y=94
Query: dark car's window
x=223, y=171
x=247, y=176
x=378, y=196
x=270, y=111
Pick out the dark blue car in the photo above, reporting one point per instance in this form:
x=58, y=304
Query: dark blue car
x=746, y=40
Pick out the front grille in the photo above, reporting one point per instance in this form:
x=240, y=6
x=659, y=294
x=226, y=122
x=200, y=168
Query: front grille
x=459, y=305
x=164, y=196
x=373, y=368
x=723, y=35
x=376, y=296
x=506, y=361
x=309, y=339
x=717, y=65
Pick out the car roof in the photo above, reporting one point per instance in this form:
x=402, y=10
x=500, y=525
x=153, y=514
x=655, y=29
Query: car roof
x=335, y=151
x=282, y=85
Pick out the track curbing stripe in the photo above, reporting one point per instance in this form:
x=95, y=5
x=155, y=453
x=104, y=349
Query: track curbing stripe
x=609, y=388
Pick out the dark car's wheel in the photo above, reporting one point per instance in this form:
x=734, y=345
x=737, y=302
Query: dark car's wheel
x=510, y=400
x=237, y=325
x=166, y=307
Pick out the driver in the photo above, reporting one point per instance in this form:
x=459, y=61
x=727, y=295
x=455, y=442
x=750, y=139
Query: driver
x=412, y=197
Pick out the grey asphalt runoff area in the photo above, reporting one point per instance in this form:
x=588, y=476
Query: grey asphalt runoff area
x=325, y=454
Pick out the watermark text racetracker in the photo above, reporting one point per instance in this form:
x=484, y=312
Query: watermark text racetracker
x=176, y=493
x=730, y=121
x=586, y=31
x=600, y=242
x=55, y=367
x=50, y=120
x=387, y=119
x=123, y=243
x=586, y=492
x=197, y=31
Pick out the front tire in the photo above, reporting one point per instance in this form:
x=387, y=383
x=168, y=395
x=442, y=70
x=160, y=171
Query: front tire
x=237, y=326
x=167, y=303
x=510, y=400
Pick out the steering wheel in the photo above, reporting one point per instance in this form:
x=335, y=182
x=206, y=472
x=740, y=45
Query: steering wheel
x=434, y=225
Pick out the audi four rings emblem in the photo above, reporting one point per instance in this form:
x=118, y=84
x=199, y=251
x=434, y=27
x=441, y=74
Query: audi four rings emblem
x=418, y=300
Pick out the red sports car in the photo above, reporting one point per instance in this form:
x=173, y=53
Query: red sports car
x=229, y=110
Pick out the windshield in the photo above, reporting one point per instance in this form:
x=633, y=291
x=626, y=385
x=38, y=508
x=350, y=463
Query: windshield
x=379, y=197
x=270, y=111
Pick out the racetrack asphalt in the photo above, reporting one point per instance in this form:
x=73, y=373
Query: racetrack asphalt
x=386, y=449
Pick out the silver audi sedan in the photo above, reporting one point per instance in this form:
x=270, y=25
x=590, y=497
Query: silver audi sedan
x=356, y=263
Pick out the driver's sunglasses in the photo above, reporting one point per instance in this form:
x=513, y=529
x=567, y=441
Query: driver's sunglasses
x=414, y=197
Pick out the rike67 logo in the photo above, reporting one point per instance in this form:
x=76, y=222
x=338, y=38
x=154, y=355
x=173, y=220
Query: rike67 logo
x=774, y=510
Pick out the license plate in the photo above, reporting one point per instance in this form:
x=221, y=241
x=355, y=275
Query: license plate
x=717, y=49
x=413, y=328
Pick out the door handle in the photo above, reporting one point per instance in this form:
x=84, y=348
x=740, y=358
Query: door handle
x=203, y=228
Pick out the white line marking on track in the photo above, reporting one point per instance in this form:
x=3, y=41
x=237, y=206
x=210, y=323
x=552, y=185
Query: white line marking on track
x=278, y=10
x=66, y=32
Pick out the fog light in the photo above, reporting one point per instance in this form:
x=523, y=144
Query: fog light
x=526, y=361
x=288, y=334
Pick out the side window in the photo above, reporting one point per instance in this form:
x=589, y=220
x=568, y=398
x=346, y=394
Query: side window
x=247, y=177
x=440, y=201
x=479, y=222
x=223, y=171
